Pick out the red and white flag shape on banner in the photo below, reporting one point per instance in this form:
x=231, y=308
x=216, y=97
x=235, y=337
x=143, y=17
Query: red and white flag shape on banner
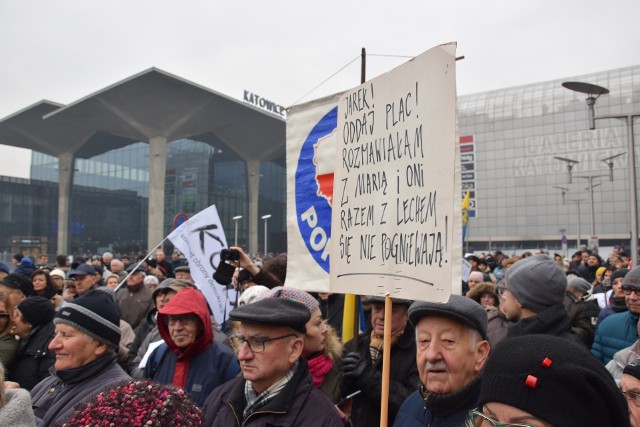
x=201, y=239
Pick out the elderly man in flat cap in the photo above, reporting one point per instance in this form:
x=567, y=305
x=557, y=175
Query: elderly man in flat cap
x=87, y=336
x=452, y=349
x=276, y=387
x=362, y=363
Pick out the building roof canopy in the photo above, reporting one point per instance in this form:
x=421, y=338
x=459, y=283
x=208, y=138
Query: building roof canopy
x=150, y=104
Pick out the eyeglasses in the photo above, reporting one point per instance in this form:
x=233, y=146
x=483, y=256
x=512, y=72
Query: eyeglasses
x=256, y=345
x=184, y=319
x=633, y=397
x=476, y=418
x=500, y=289
x=628, y=289
x=4, y=317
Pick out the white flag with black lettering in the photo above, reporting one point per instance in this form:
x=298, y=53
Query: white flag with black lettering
x=201, y=239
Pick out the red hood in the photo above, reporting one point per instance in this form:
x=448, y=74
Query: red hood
x=187, y=300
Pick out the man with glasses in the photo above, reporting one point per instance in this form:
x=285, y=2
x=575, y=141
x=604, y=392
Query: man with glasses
x=452, y=348
x=276, y=387
x=189, y=358
x=619, y=330
x=630, y=386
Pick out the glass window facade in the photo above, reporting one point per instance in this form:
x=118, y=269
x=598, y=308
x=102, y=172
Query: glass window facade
x=517, y=133
x=200, y=171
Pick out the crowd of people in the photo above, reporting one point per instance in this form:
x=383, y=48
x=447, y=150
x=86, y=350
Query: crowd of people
x=534, y=340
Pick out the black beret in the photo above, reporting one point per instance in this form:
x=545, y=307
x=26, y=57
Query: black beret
x=459, y=308
x=633, y=369
x=553, y=379
x=18, y=282
x=37, y=310
x=274, y=312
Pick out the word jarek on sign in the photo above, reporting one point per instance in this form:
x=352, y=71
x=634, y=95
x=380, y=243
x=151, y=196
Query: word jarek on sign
x=394, y=183
x=263, y=104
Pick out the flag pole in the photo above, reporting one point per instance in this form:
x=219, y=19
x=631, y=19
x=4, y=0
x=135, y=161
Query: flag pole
x=138, y=265
x=351, y=312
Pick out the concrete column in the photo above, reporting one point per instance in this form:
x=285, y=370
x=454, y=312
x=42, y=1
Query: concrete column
x=66, y=162
x=253, y=175
x=157, y=170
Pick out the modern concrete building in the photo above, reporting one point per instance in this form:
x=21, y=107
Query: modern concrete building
x=510, y=143
x=130, y=157
x=179, y=146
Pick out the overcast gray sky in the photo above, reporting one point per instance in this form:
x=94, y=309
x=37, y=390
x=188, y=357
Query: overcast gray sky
x=65, y=49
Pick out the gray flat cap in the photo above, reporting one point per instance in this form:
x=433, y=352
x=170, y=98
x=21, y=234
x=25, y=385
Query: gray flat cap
x=462, y=309
x=274, y=312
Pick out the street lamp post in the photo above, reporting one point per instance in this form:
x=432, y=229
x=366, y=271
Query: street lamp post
x=265, y=217
x=236, y=219
x=564, y=191
x=591, y=90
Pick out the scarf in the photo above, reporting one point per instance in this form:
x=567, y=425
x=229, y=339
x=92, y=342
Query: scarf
x=318, y=368
x=256, y=401
x=377, y=343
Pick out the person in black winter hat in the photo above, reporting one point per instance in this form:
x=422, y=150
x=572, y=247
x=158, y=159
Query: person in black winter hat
x=87, y=335
x=17, y=287
x=542, y=380
x=31, y=322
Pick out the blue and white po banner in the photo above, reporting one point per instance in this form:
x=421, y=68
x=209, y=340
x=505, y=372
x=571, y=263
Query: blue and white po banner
x=311, y=145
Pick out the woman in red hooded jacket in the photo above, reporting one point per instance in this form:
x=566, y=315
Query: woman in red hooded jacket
x=189, y=358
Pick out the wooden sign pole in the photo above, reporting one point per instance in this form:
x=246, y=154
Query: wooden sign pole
x=386, y=360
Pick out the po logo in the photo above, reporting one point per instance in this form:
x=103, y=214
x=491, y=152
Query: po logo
x=314, y=188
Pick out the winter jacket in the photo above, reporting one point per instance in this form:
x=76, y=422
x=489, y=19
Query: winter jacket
x=584, y=315
x=33, y=359
x=553, y=320
x=403, y=374
x=55, y=397
x=142, y=331
x=497, y=326
x=8, y=348
x=134, y=305
x=198, y=368
x=439, y=410
x=298, y=404
x=616, y=332
x=17, y=411
x=622, y=358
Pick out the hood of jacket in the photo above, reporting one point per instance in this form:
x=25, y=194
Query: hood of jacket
x=187, y=300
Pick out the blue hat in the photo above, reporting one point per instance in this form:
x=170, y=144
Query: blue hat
x=83, y=270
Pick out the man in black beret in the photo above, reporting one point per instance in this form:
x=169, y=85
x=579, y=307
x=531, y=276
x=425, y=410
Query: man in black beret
x=276, y=387
x=17, y=287
x=630, y=386
x=452, y=349
x=362, y=363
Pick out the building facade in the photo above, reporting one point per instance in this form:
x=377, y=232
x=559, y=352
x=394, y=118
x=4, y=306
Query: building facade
x=510, y=141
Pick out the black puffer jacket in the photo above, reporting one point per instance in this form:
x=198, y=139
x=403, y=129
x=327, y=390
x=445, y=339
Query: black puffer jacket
x=33, y=359
x=403, y=375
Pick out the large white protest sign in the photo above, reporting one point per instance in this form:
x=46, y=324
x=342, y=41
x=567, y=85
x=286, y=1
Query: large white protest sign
x=395, y=203
x=201, y=239
x=311, y=139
